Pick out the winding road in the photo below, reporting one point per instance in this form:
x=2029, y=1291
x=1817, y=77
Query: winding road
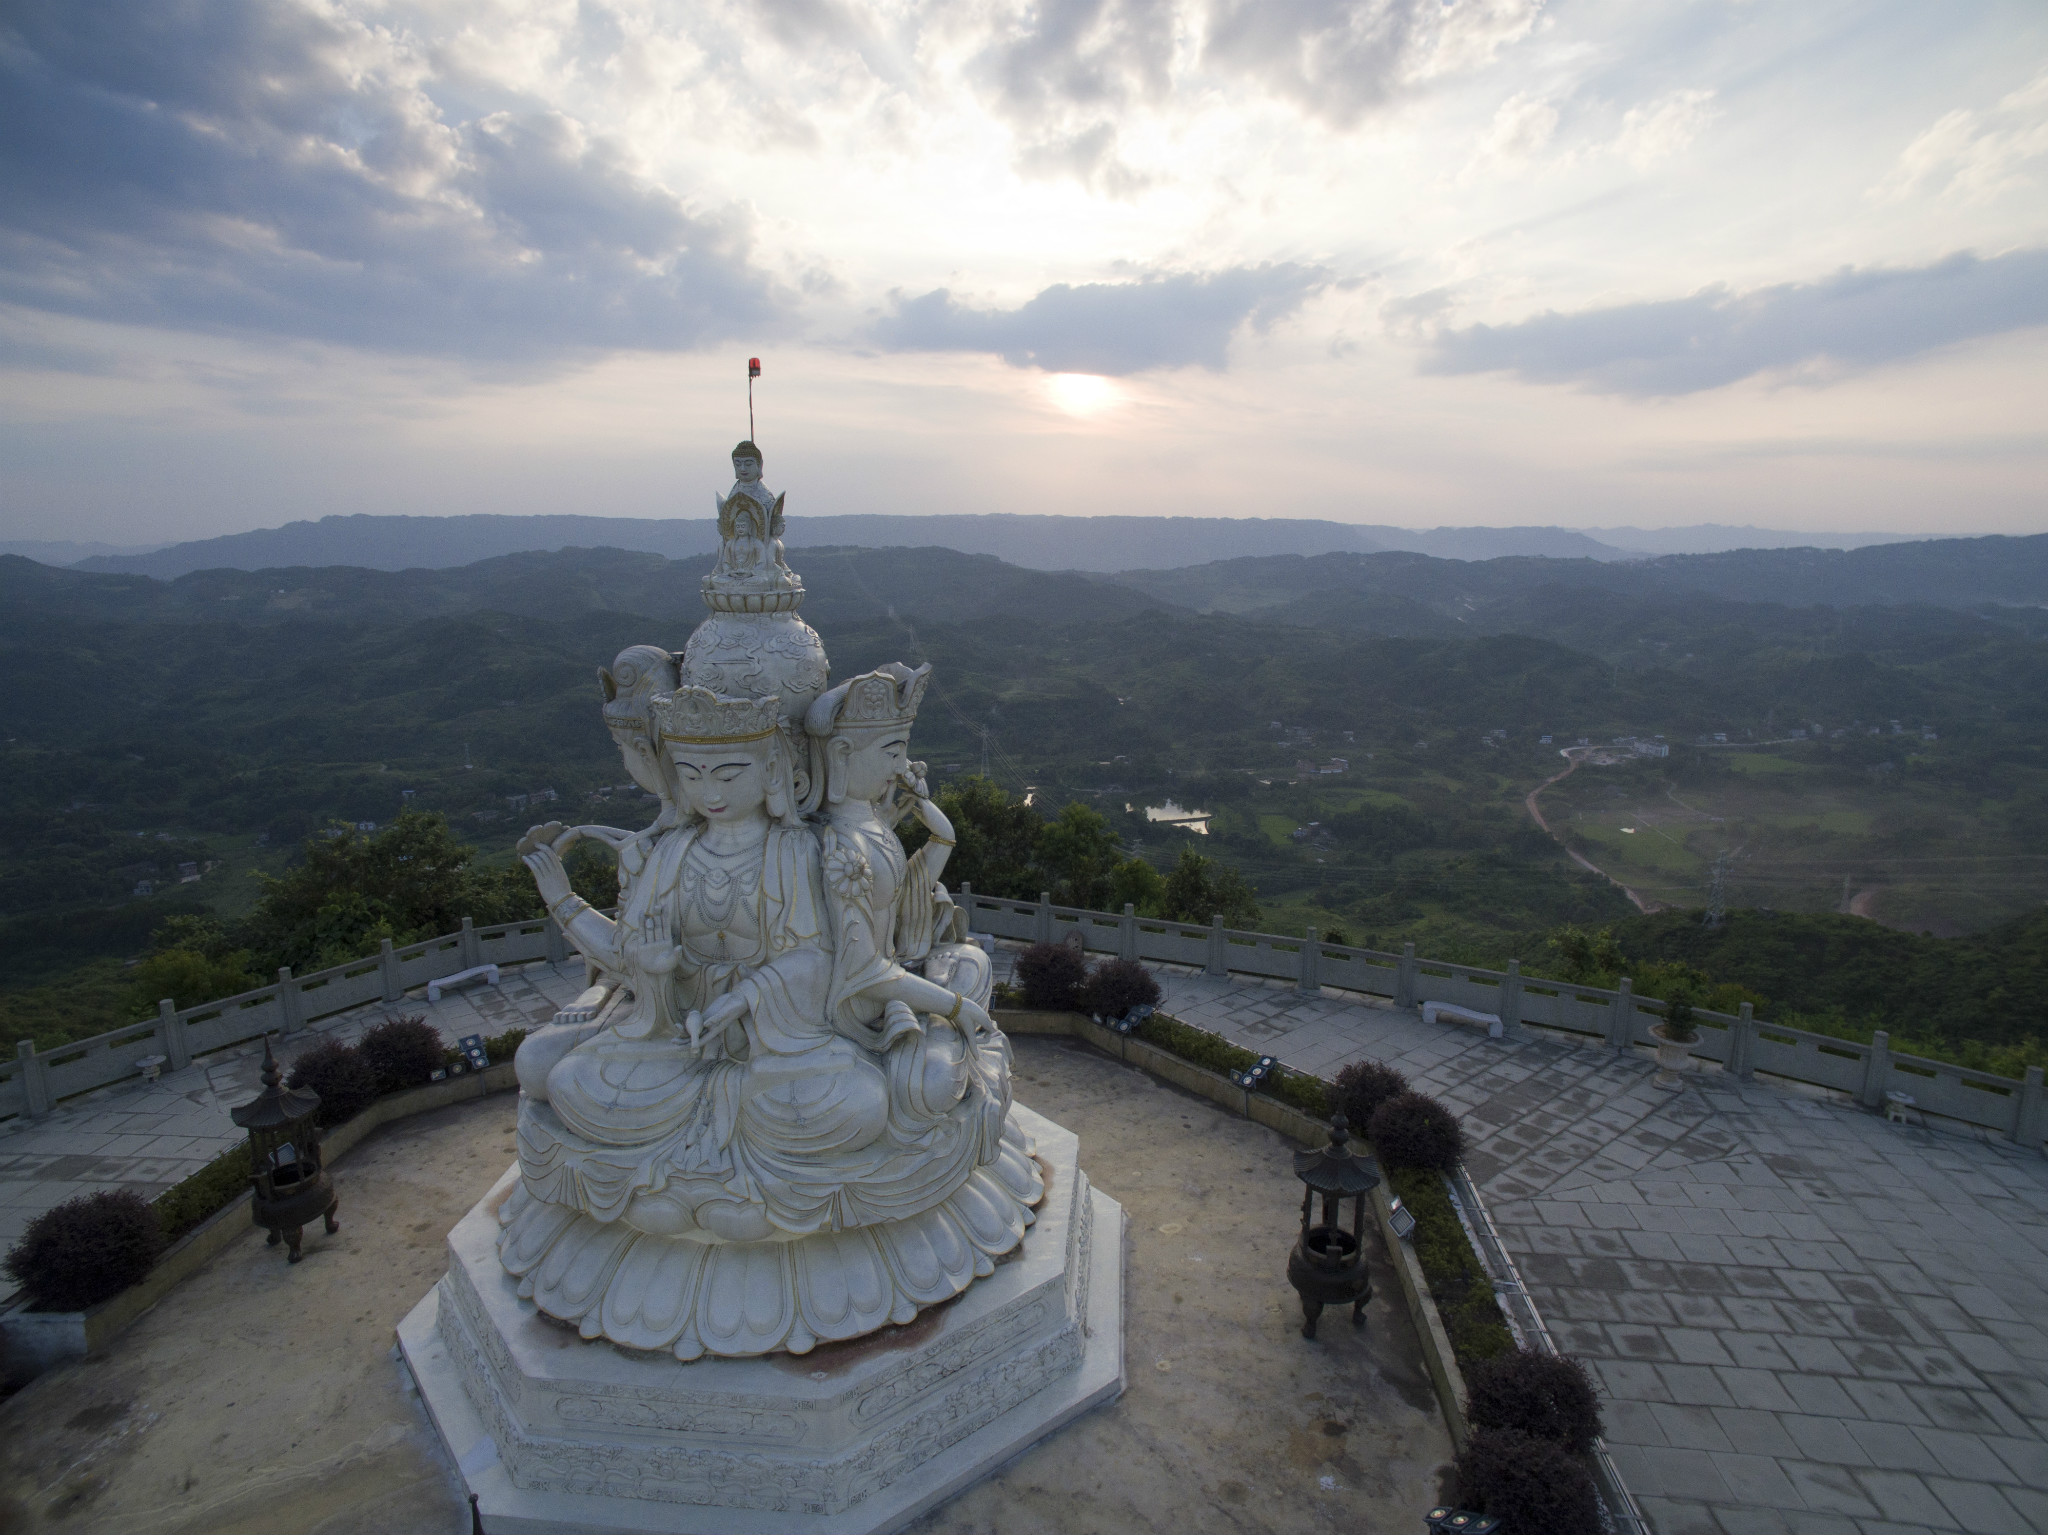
x=1570, y=755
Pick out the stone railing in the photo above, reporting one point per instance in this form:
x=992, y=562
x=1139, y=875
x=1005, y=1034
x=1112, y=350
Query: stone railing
x=35, y=1081
x=1742, y=1045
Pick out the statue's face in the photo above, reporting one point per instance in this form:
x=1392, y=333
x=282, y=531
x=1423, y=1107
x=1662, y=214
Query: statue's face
x=747, y=469
x=873, y=760
x=725, y=785
x=643, y=766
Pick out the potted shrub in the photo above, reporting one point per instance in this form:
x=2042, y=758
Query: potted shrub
x=1675, y=1036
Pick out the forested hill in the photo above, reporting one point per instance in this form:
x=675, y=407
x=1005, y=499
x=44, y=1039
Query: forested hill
x=842, y=586
x=1953, y=572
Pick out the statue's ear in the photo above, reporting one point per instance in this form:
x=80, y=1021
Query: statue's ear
x=776, y=800
x=606, y=681
x=837, y=750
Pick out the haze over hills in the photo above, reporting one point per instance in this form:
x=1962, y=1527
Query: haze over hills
x=1103, y=544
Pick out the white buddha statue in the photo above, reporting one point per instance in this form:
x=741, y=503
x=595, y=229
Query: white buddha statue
x=769, y=1075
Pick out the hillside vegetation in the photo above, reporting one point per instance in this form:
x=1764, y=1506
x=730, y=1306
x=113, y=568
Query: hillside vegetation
x=1361, y=755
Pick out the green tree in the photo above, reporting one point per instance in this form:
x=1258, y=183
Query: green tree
x=1080, y=856
x=996, y=840
x=1137, y=883
x=349, y=890
x=1199, y=889
x=191, y=959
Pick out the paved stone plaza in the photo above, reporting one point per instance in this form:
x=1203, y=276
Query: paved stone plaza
x=146, y=1136
x=1806, y=1320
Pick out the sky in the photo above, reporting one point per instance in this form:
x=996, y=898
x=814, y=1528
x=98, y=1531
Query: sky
x=1419, y=262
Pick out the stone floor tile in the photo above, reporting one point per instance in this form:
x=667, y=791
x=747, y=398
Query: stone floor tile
x=1694, y=1385
x=1756, y=1388
x=1682, y=1473
x=1825, y=1440
x=1895, y=1445
x=1752, y=1431
x=2027, y=1459
x=1901, y=1496
x=1829, y=1489
x=1885, y=1401
x=1751, y=1521
x=1670, y=1516
x=1979, y=1508
x=1752, y=1350
x=1817, y=1356
x=2030, y=1504
x=1964, y=1455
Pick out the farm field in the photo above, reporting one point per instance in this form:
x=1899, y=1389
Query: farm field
x=1798, y=836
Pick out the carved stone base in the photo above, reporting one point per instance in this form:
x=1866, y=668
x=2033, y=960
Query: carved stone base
x=555, y=1433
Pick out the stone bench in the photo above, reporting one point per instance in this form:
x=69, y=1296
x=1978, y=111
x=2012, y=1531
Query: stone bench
x=488, y=974
x=1450, y=1012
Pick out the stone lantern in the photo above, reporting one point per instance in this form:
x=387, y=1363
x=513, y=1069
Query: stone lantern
x=285, y=1163
x=1328, y=1263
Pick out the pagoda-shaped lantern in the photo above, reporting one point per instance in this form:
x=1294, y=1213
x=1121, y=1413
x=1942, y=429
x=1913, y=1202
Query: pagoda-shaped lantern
x=292, y=1186
x=1328, y=1262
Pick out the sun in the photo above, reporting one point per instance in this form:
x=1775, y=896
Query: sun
x=1082, y=394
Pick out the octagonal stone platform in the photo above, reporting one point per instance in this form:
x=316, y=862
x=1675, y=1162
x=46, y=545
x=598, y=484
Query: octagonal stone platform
x=557, y=1434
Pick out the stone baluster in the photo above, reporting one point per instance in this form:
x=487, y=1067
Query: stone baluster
x=2027, y=1126
x=1621, y=1021
x=1741, y=1062
x=1404, y=978
x=170, y=1036
x=291, y=1002
x=387, y=970
x=1218, y=952
x=1877, y=1070
x=965, y=901
x=1127, y=933
x=1311, y=979
x=558, y=943
x=1511, y=996
x=472, y=946
x=1041, y=927
x=33, y=1073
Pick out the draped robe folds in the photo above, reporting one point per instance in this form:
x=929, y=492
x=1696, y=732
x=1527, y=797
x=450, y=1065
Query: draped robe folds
x=813, y=1123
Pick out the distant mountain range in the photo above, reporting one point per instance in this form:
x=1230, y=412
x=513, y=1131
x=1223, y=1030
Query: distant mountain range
x=1098, y=544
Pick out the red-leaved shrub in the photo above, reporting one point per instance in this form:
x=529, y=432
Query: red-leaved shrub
x=1414, y=1130
x=1533, y=1486
x=402, y=1052
x=1362, y=1087
x=1116, y=986
x=346, y=1083
x=86, y=1250
x=1050, y=974
x=1543, y=1395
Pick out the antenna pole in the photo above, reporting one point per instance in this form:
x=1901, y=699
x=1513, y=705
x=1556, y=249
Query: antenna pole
x=753, y=372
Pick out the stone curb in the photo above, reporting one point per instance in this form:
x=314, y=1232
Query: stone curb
x=36, y=1341
x=1437, y=1357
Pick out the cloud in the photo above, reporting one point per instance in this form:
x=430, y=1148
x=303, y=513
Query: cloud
x=1652, y=133
x=244, y=165
x=1975, y=157
x=1856, y=319
x=1065, y=74
x=1340, y=60
x=1176, y=321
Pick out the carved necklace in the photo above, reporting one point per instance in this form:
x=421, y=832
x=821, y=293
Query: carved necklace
x=715, y=891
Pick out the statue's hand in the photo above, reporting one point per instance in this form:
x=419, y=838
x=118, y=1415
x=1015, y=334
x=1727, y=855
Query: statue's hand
x=973, y=1019
x=541, y=836
x=912, y=779
x=548, y=872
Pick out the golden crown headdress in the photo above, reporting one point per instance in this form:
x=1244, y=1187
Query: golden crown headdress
x=696, y=716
